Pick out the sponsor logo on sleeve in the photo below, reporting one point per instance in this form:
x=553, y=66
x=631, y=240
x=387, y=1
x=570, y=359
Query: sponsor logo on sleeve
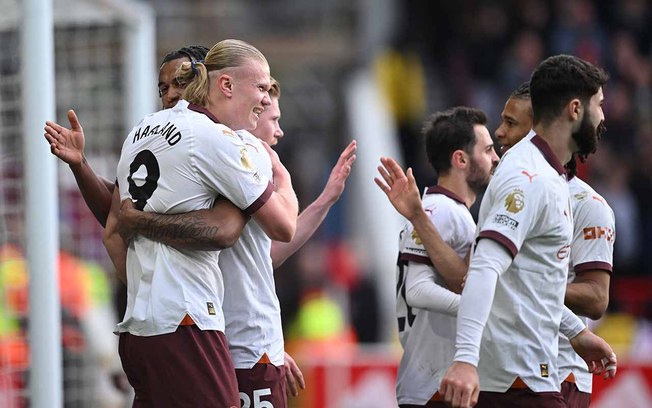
x=591, y=233
x=515, y=201
x=507, y=221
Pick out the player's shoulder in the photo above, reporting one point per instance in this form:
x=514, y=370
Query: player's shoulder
x=586, y=199
x=443, y=199
x=524, y=167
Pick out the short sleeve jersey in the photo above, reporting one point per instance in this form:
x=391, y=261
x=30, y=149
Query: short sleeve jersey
x=174, y=161
x=592, y=249
x=251, y=307
x=428, y=337
x=526, y=209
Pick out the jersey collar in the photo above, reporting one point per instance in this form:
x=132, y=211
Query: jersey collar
x=203, y=110
x=550, y=157
x=446, y=192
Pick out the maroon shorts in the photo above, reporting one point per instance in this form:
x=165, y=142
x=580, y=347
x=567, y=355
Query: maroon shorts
x=262, y=382
x=187, y=368
x=574, y=398
x=520, y=397
x=430, y=404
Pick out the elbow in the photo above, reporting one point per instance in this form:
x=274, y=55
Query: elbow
x=106, y=237
x=283, y=236
x=412, y=297
x=283, y=232
x=598, y=308
x=222, y=243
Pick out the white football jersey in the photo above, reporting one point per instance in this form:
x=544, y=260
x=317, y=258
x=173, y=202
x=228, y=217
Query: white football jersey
x=251, y=307
x=526, y=209
x=175, y=161
x=592, y=248
x=428, y=337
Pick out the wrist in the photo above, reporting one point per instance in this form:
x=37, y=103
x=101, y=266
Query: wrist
x=416, y=216
x=78, y=167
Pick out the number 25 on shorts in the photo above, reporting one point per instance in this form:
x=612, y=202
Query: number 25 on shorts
x=246, y=401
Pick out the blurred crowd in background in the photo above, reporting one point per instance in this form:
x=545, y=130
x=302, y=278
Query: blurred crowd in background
x=430, y=56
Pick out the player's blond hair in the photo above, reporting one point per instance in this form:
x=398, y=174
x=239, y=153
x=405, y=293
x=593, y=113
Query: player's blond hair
x=225, y=54
x=275, y=89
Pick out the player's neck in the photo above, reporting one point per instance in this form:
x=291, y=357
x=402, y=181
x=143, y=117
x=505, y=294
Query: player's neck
x=456, y=183
x=558, y=136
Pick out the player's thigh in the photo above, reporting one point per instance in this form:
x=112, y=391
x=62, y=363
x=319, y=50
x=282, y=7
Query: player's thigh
x=263, y=386
x=520, y=398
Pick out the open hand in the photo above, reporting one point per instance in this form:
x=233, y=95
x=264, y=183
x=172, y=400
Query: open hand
x=66, y=144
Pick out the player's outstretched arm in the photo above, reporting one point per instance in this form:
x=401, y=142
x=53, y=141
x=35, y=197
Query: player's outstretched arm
x=311, y=218
x=588, y=294
x=113, y=242
x=68, y=145
x=206, y=230
x=293, y=376
x=402, y=192
x=278, y=216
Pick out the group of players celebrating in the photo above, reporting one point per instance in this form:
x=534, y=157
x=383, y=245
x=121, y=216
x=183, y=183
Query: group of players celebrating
x=195, y=229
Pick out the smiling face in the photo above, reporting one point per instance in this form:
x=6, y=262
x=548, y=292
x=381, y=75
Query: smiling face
x=269, y=129
x=515, y=122
x=251, y=84
x=169, y=89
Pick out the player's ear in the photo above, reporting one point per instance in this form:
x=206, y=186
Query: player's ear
x=225, y=84
x=575, y=109
x=459, y=159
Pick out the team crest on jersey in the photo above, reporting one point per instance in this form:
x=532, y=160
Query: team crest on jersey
x=415, y=238
x=515, y=201
x=245, y=160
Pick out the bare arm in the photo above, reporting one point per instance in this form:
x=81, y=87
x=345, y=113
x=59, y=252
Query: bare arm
x=113, y=242
x=68, y=145
x=278, y=216
x=311, y=218
x=207, y=230
x=588, y=294
x=403, y=193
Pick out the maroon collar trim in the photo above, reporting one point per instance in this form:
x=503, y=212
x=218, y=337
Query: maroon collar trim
x=446, y=192
x=550, y=157
x=203, y=110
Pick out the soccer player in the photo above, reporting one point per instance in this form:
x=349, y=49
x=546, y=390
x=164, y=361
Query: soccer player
x=587, y=292
x=172, y=341
x=525, y=231
x=516, y=118
x=462, y=153
x=68, y=145
x=251, y=308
